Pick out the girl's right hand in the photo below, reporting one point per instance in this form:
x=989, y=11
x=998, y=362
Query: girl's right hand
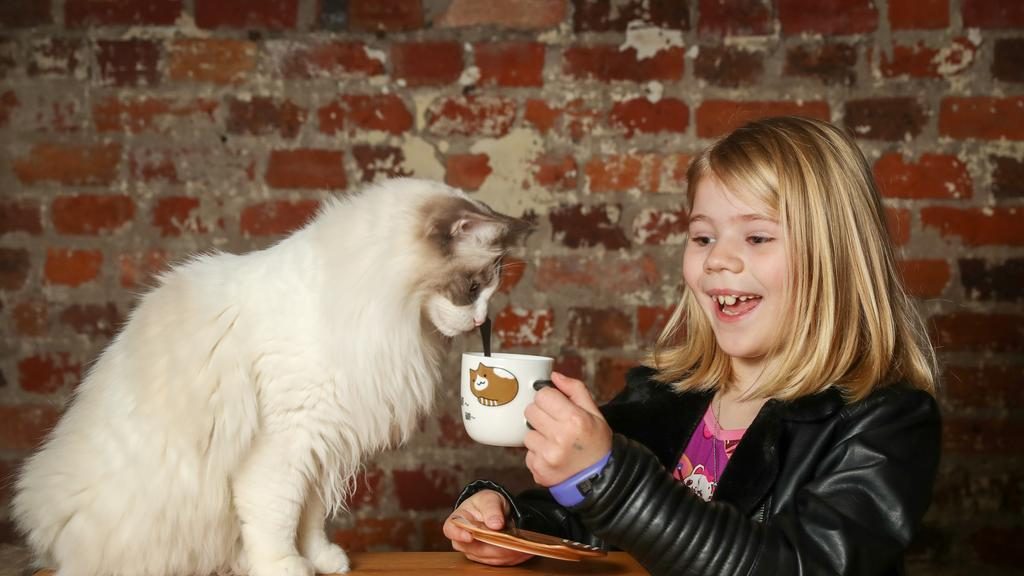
x=489, y=509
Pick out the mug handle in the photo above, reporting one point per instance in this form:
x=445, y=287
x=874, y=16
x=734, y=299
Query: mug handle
x=538, y=385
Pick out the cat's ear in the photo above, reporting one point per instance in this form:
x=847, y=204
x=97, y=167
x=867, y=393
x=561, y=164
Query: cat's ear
x=488, y=229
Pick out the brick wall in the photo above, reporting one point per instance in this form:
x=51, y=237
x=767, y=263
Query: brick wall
x=135, y=132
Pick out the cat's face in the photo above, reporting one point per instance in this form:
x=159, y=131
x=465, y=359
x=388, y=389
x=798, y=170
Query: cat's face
x=468, y=241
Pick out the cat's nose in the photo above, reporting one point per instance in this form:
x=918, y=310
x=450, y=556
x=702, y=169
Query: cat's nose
x=478, y=323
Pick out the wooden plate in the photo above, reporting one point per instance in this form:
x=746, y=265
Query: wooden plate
x=530, y=542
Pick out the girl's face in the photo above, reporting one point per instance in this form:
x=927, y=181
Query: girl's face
x=735, y=264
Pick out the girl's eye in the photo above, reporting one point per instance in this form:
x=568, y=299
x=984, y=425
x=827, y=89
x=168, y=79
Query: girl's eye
x=701, y=240
x=759, y=239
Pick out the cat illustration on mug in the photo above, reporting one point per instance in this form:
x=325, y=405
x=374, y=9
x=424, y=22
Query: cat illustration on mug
x=493, y=386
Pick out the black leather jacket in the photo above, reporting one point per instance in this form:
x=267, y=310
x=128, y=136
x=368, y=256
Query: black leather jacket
x=816, y=486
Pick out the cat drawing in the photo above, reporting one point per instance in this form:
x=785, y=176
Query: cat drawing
x=231, y=414
x=493, y=386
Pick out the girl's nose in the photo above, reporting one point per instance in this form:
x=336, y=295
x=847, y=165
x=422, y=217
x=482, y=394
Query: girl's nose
x=721, y=258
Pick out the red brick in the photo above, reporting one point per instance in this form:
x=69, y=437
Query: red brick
x=542, y=115
x=30, y=318
x=91, y=214
x=570, y=364
x=24, y=14
x=20, y=215
x=467, y=171
x=829, y=17
x=977, y=227
x=140, y=268
x=88, y=13
x=177, y=215
x=92, y=319
x=932, y=176
x=511, y=64
x=992, y=14
x=69, y=267
x=832, y=63
x=512, y=270
x=263, y=116
x=368, y=489
x=152, y=165
x=651, y=321
x=385, y=15
x=984, y=437
x=925, y=278
x=425, y=489
x=471, y=116
x=898, y=221
x=1007, y=177
x=426, y=63
x=617, y=15
x=518, y=327
x=331, y=118
x=581, y=119
x=149, y=114
x=384, y=112
x=248, y=14
x=608, y=63
x=922, y=61
x=718, y=117
x=377, y=163
x=8, y=103
x=60, y=57
x=982, y=117
x=56, y=112
x=599, y=328
x=128, y=62
x=890, y=119
x=214, y=60
x=724, y=18
x=23, y=426
x=623, y=172
x=306, y=168
x=983, y=280
x=555, y=172
x=987, y=387
x=918, y=14
x=9, y=56
x=673, y=172
x=729, y=66
x=642, y=115
x=373, y=533
x=610, y=377
x=69, y=164
x=658, y=227
x=329, y=60
x=14, y=268
x=556, y=273
x=579, y=226
x=1007, y=64
x=977, y=332
x=452, y=432
x=514, y=14
x=278, y=217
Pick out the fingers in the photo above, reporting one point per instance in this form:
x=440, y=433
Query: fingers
x=575, y=390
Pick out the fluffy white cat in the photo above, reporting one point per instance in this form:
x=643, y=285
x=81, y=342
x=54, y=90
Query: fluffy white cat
x=229, y=417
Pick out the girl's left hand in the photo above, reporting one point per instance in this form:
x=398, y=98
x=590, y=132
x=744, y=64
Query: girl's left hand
x=569, y=433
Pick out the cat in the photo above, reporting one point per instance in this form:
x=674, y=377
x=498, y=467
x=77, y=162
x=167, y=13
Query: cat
x=229, y=417
x=493, y=386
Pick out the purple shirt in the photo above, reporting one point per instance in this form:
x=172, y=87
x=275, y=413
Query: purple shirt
x=706, y=455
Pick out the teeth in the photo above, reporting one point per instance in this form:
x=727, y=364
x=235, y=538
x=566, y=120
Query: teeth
x=730, y=300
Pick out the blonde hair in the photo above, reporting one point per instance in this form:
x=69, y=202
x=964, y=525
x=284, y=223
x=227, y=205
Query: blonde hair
x=850, y=322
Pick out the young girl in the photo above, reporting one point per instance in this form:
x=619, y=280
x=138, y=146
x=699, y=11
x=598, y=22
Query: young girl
x=785, y=423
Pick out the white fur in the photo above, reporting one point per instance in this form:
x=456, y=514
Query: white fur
x=229, y=417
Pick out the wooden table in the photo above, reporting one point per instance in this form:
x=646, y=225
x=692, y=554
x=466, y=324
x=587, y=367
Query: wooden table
x=447, y=563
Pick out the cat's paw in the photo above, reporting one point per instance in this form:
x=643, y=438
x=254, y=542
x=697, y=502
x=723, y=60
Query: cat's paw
x=287, y=566
x=329, y=559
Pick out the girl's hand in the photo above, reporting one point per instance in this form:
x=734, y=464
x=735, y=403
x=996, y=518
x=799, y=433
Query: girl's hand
x=569, y=433
x=489, y=509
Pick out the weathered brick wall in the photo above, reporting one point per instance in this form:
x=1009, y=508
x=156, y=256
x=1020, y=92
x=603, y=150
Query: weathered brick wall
x=135, y=132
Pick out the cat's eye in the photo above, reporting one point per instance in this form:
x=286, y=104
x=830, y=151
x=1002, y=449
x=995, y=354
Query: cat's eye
x=474, y=288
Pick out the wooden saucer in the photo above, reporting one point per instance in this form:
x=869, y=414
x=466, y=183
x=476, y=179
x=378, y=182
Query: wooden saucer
x=530, y=542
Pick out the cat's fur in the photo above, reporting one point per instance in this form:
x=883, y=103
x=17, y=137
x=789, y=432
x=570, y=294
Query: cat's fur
x=231, y=414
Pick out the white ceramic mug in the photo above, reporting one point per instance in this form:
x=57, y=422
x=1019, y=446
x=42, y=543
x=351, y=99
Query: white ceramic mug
x=496, y=389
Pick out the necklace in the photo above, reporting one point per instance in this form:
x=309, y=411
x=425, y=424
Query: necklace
x=715, y=439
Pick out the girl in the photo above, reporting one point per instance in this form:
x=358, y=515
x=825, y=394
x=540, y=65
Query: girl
x=785, y=423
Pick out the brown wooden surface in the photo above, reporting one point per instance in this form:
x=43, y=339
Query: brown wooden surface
x=431, y=563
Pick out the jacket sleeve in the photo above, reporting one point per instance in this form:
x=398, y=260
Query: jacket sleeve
x=856, y=516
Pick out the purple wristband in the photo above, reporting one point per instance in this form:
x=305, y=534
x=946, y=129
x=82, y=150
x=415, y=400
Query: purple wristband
x=567, y=492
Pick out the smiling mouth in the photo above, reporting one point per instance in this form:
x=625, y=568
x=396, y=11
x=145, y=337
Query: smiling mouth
x=736, y=305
